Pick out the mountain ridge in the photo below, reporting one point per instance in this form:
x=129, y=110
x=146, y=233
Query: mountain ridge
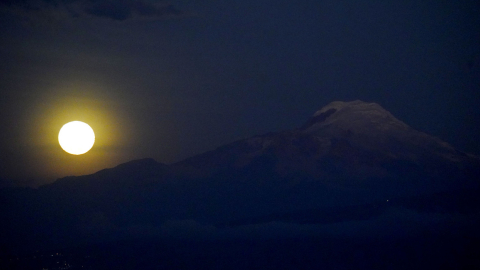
x=317, y=135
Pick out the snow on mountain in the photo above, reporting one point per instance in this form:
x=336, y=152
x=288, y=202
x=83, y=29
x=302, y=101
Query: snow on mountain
x=372, y=127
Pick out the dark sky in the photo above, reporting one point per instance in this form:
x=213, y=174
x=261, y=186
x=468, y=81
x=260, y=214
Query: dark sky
x=172, y=79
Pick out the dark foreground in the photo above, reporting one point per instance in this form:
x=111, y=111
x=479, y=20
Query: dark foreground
x=429, y=251
x=440, y=231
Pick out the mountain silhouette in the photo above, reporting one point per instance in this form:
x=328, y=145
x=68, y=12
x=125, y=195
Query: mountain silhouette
x=350, y=162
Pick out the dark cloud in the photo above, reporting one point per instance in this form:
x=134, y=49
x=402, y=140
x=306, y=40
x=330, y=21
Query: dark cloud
x=120, y=10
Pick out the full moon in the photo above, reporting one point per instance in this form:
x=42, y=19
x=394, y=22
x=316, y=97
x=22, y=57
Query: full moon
x=76, y=137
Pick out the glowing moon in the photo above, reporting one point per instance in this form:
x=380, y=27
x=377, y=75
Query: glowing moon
x=76, y=137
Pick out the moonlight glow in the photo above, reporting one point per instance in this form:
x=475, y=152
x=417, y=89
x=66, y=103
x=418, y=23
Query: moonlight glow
x=76, y=137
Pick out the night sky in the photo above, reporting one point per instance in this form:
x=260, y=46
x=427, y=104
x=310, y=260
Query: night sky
x=169, y=80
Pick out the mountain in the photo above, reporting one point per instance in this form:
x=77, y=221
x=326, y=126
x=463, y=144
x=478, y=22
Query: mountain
x=352, y=166
x=350, y=144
